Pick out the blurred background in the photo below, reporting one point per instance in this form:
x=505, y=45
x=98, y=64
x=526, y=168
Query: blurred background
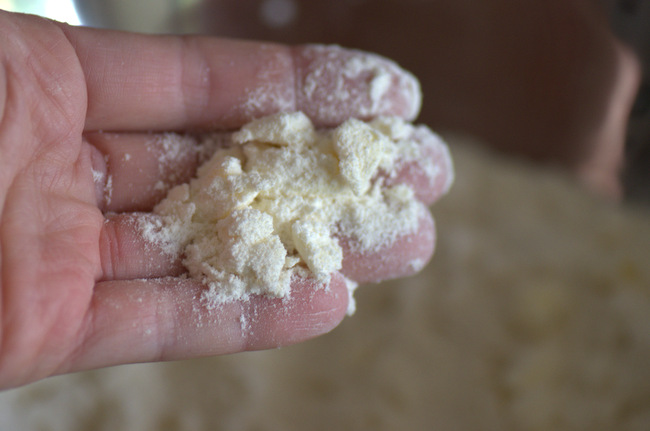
x=535, y=312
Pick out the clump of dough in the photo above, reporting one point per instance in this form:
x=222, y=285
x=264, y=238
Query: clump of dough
x=272, y=203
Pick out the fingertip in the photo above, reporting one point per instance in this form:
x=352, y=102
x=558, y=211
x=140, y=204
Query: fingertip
x=310, y=311
x=333, y=84
x=406, y=256
x=431, y=172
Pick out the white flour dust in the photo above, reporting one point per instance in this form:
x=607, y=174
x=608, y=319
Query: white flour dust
x=272, y=202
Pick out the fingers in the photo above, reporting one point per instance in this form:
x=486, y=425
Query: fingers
x=139, y=82
x=167, y=319
x=127, y=254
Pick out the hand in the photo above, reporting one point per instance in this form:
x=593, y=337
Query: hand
x=80, y=287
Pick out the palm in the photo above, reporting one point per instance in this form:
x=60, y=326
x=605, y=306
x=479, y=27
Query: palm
x=50, y=220
x=80, y=288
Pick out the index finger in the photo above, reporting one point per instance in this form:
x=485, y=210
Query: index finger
x=141, y=82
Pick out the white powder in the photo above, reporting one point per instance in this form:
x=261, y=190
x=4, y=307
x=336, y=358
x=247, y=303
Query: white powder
x=108, y=190
x=272, y=90
x=98, y=177
x=106, y=182
x=271, y=203
x=169, y=148
x=380, y=78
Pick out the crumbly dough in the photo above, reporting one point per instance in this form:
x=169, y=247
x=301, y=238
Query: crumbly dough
x=272, y=202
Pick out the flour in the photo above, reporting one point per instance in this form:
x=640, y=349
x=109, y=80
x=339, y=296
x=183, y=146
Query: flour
x=169, y=148
x=108, y=190
x=273, y=201
x=380, y=77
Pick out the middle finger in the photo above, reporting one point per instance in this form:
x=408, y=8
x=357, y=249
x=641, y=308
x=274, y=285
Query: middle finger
x=138, y=169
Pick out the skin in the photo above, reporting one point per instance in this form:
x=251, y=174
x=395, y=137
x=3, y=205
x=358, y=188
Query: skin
x=80, y=288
